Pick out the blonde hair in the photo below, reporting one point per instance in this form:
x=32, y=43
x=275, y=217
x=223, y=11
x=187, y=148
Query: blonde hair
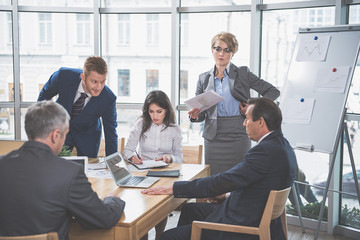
x=228, y=38
x=96, y=64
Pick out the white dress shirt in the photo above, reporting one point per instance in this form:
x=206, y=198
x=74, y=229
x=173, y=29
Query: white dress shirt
x=78, y=93
x=156, y=142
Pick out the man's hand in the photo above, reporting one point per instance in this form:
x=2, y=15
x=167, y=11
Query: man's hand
x=159, y=191
x=113, y=194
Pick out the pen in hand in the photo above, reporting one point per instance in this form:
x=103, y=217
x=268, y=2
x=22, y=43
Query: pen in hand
x=140, y=162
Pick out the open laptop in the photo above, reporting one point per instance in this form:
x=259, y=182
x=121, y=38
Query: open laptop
x=122, y=176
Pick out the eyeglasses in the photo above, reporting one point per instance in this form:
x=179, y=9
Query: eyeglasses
x=219, y=49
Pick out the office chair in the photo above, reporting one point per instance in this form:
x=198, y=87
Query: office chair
x=274, y=208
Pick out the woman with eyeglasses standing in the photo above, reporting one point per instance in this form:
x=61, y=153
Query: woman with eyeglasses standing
x=225, y=137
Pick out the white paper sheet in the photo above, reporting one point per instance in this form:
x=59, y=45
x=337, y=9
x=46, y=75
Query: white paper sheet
x=104, y=174
x=332, y=79
x=204, y=101
x=297, y=110
x=313, y=48
x=150, y=164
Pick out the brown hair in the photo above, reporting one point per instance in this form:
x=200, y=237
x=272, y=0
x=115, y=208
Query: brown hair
x=96, y=64
x=268, y=110
x=162, y=100
x=228, y=38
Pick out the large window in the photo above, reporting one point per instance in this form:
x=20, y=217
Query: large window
x=138, y=57
x=38, y=62
x=279, y=33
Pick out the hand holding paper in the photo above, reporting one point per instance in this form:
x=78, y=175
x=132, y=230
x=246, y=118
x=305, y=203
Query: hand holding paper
x=204, y=101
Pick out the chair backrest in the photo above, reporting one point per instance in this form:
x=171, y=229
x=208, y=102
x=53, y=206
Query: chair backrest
x=7, y=146
x=44, y=236
x=274, y=208
x=121, y=145
x=192, y=154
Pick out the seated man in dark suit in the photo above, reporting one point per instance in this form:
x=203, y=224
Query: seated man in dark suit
x=83, y=93
x=41, y=192
x=270, y=165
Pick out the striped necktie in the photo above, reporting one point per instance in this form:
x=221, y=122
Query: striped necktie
x=78, y=105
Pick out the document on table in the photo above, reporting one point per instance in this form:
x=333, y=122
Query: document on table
x=98, y=170
x=204, y=101
x=150, y=164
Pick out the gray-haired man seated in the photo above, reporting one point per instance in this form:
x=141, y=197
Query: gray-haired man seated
x=41, y=192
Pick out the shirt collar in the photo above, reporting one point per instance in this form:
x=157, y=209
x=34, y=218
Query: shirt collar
x=227, y=69
x=264, y=137
x=81, y=90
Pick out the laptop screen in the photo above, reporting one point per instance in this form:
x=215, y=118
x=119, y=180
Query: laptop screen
x=81, y=160
x=117, y=166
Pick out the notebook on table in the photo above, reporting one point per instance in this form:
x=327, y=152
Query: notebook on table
x=150, y=164
x=122, y=176
x=169, y=173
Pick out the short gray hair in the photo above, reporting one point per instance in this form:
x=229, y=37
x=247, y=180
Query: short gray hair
x=44, y=117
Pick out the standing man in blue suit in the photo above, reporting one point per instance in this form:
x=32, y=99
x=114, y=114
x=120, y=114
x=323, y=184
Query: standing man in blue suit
x=270, y=165
x=86, y=98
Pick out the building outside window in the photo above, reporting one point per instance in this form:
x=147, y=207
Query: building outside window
x=83, y=29
x=123, y=82
x=45, y=28
x=152, y=80
x=124, y=29
x=152, y=23
x=9, y=20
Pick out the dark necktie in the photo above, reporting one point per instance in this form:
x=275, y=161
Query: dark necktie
x=78, y=105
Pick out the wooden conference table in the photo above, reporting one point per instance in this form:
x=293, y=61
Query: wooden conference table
x=142, y=212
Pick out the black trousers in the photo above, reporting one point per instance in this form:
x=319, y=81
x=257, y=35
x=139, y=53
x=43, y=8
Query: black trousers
x=189, y=213
x=200, y=212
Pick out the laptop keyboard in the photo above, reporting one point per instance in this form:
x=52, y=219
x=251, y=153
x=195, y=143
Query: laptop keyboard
x=134, y=180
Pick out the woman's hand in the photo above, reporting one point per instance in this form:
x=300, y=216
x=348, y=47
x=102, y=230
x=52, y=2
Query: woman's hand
x=194, y=113
x=243, y=107
x=136, y=160
x=158, y=191
x=165, y=158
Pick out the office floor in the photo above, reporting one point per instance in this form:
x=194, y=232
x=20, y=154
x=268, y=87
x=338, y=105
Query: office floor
x=294, y=232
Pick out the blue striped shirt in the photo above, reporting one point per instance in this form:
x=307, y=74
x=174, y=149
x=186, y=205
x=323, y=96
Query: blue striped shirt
x=229, y=106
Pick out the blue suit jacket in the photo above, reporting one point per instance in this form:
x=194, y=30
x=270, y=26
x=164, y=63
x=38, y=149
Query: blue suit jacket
x=85, y=128
x=270, y=165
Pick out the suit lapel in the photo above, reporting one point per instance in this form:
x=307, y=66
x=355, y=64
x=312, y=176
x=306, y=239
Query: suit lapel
x=211, y=85
x=237, y=93
x=232, y=76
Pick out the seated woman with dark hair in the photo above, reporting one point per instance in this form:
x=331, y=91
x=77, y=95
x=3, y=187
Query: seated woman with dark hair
x=158, y=137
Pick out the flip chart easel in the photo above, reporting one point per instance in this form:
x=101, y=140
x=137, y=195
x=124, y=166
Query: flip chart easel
x=317, y=84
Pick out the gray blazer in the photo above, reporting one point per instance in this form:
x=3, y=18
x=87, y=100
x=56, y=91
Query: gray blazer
x=241, y=80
